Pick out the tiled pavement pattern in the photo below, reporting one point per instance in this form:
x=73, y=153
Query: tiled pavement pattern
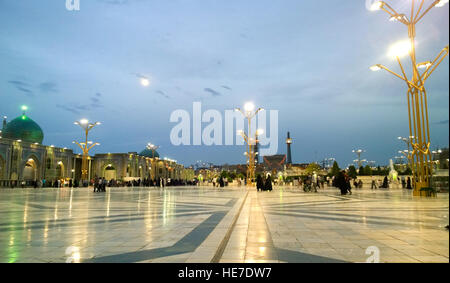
x=232, y=225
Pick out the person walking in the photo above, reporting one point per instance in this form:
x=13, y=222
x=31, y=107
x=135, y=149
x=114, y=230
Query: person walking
x=374, y=184
x=385, y=183
x=268, y=184
x=347, y=183
x=259, y=183
x=408, y=184
x=341, y=183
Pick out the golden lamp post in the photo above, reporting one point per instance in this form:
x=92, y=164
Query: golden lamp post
x=408, y=153
x=416, y=94
x=153, y=148
x=249, y=113
x=85, y=146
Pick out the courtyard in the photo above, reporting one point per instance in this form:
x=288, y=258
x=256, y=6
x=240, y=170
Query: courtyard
x=232, y=225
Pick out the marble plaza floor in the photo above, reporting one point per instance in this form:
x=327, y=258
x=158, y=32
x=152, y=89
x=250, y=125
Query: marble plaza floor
x=233, y=225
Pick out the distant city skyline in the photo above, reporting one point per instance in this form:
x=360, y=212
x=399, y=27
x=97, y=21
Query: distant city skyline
x=67, y=65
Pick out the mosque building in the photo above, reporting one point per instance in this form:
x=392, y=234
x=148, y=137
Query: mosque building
x=23, y=158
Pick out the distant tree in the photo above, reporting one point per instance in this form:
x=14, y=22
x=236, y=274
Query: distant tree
x=407, y=172
x=352, y=172
x=378, y=171
x=361, y=171
x=335, y=169
x=224, y=174
x=313, y=167
x=368, y=171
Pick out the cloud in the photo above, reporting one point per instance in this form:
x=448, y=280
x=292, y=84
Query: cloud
x=48, y=87
x=22, y=86
x=76, y=108
x=67, y=108
x=227, y=87
x=212, y=92
x=162, y=93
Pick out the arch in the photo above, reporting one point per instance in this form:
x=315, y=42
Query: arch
x=109, y=172
x=60, y=170
x=30, y=169
x=141, y=172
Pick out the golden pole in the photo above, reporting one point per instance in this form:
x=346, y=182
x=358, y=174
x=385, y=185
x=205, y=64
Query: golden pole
x=86, y=146
x=419, y=127
x=249, y=114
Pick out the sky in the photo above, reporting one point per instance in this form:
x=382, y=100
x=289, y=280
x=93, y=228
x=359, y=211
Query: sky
x=307, y=59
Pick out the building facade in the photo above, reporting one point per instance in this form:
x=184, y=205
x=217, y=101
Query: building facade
x=25, y=160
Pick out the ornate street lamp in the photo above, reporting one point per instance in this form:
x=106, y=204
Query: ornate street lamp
x=409, y=154
x=249, y=113
x=153, y=148
x=85, y=146
x=416, y=94
x=358, y=153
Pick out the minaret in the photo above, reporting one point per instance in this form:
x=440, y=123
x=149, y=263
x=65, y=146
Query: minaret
x=4, y=122
x=289, y=154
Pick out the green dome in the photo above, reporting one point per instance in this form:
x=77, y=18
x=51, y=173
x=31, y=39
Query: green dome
x=148, y=153
x=25, y=129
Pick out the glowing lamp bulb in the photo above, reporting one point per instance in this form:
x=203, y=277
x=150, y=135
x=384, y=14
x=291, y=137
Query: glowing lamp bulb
x=376, y=6
x=400, y=49
x=249, y=107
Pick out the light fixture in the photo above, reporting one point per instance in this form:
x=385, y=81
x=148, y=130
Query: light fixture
x=424, y=65
x=249, y=107
x=377, y=5
x=400, y=49
x=442, y=3
x=375, y=68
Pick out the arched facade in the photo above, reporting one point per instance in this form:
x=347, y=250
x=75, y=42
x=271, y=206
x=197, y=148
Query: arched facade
x=2, y=167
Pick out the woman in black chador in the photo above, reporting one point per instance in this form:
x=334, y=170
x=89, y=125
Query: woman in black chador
x=268, y=185
x=385, y=183
x=341, y=183
x=259, y=183
x=408, y=184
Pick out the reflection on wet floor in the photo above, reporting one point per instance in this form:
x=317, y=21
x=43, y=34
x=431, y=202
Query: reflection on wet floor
x=184, y=224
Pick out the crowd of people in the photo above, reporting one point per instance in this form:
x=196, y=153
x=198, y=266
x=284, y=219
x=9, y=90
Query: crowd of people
x=100, y=184
x=309, y=183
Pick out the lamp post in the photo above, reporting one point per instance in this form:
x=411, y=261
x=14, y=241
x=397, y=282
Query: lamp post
x=409, y=154
x=436, y=161
x=416, y=94
x=249, y=113
x=85, y=146
x=358, y=153
x=153, y=148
